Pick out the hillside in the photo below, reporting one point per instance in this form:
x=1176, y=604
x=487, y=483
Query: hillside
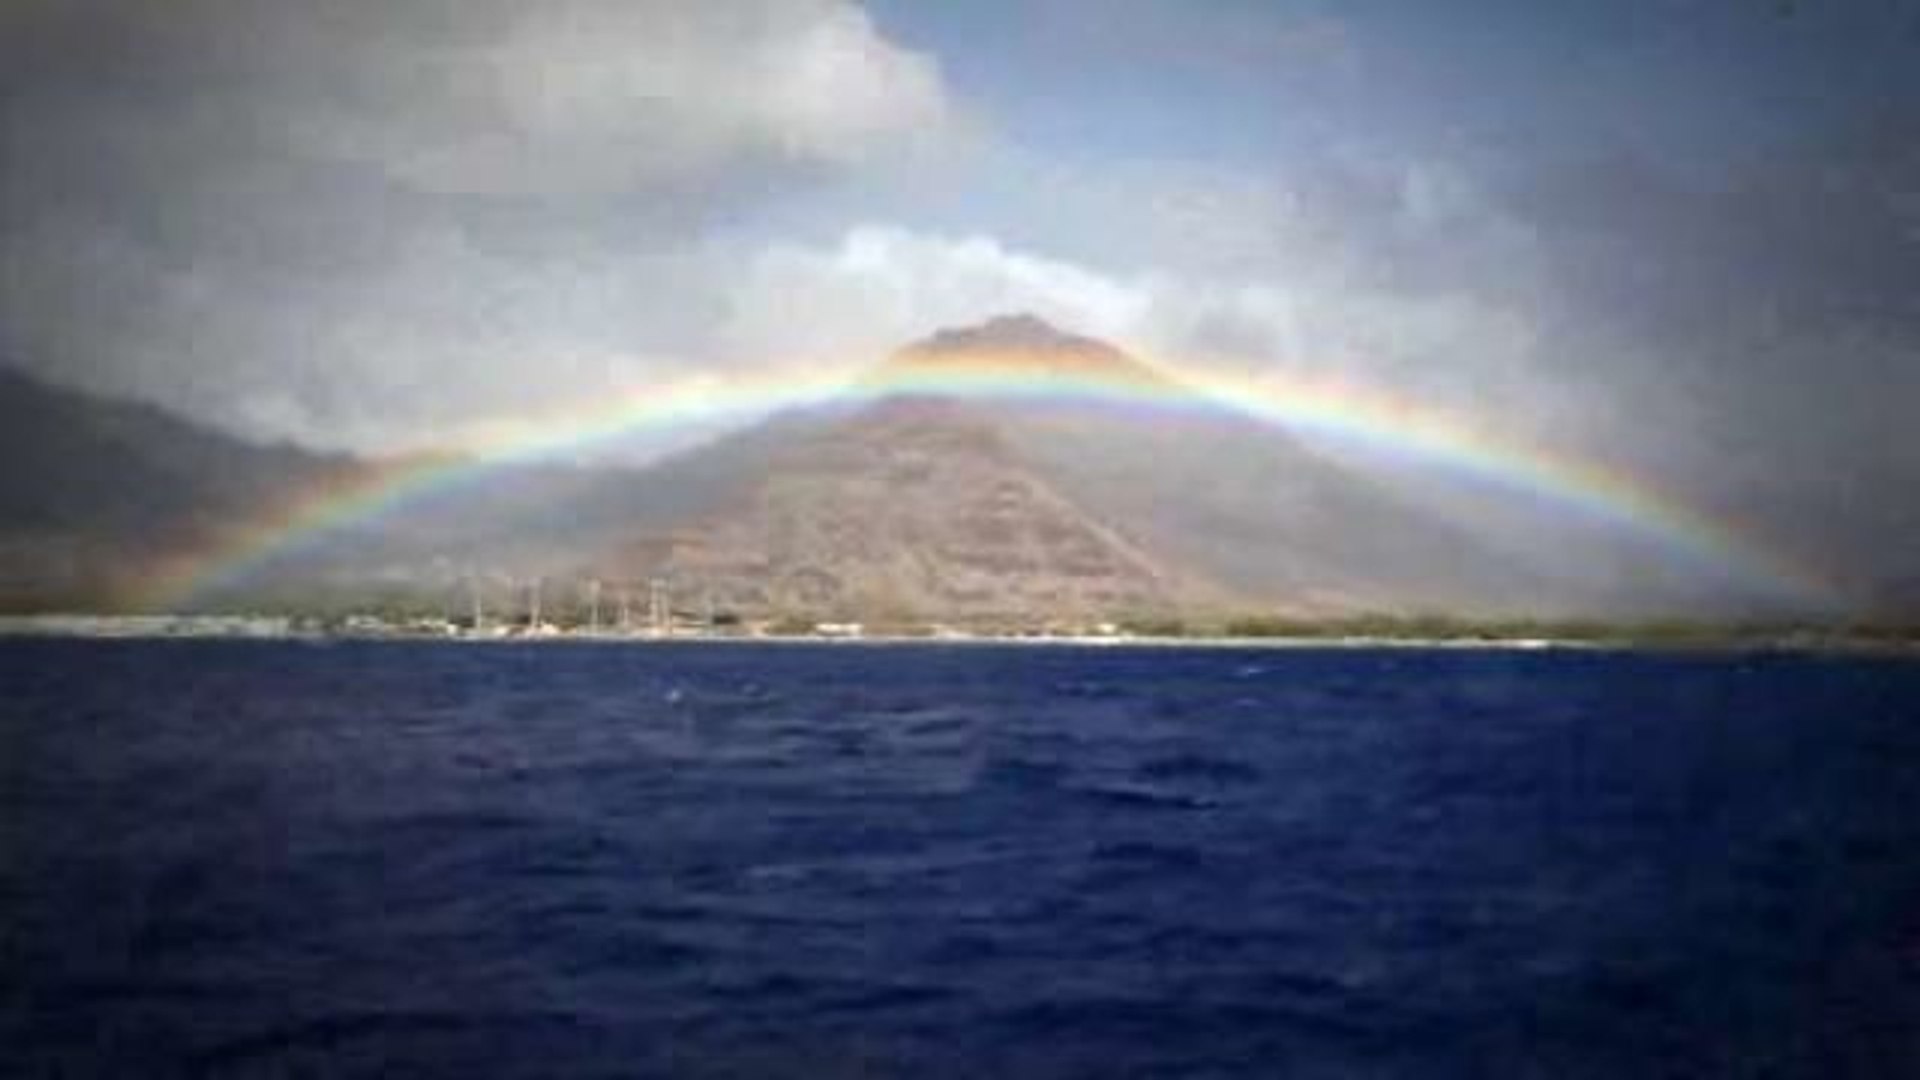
x=1007, y=473
x=954, y=504
x=98, y=490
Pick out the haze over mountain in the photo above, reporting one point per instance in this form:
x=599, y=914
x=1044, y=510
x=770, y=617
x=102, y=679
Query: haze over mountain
x=945, y=504
x=114, y=487
x=919, y=498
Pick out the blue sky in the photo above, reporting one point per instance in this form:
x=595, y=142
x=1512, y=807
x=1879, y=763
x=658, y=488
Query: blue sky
x=1245, y=82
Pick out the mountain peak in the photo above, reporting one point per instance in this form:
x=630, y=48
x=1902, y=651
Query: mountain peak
x=1019, y=343
x=1019, y=331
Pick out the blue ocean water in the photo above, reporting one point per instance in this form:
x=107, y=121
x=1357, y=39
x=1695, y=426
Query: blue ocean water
x=284, y=859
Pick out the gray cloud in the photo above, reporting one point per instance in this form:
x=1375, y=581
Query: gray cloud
x=1761, y=327
x=489, y=96
x=369, y=223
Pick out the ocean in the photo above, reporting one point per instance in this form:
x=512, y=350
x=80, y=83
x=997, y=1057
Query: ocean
x=234, y=858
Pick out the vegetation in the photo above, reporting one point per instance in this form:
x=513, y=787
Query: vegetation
x=328, y=608
x=1650, y=632
x=790, y=625
x=1159, y=626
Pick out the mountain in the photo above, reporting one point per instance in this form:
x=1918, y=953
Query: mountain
x=96, y=491
x=909, y=509
x=1007, y=473
x=935, y=501
x=1015, y=346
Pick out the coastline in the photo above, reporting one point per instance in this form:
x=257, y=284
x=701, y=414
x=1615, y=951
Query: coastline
x=277, y=628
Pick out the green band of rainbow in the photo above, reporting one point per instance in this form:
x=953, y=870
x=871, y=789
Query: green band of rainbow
x=1317, y=407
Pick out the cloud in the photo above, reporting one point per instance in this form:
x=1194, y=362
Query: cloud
x=596, y=95
x=493, y=96
x=880, y=286
x=376, y=223
x=371, y=223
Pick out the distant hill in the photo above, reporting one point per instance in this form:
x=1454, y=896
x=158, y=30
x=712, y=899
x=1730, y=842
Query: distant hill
x=95, y=490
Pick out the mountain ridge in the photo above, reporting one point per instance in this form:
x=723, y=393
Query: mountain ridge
x=1020, y=346
x=1137, y=479
x=932, y=496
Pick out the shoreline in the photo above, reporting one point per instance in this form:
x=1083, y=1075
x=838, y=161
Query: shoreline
x=264, y=628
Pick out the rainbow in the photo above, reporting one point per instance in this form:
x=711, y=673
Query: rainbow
x=1316, y=407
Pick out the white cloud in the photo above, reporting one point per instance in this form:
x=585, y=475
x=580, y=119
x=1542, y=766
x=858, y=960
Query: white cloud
x=880, y=286
x=877, y=287
x=589, y=95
